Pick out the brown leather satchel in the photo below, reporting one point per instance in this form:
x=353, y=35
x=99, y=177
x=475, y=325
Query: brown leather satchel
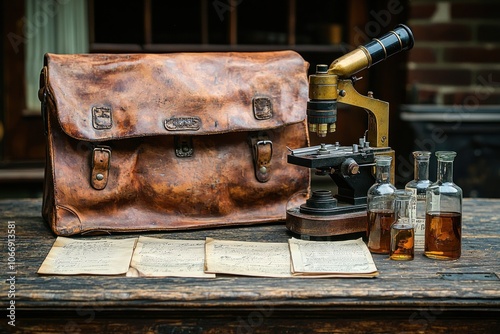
x=144, y=142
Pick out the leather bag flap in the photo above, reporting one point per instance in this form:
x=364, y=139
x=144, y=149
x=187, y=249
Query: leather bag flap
x=101, y=97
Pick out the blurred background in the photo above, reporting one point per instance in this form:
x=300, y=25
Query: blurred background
x=444, y=94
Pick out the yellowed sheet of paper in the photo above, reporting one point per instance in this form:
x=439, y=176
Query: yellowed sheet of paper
x=95, y=257
x=265, y=259
x=350, y=258
x=157, y=257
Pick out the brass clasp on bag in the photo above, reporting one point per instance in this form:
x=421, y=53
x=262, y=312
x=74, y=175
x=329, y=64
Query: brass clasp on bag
x=262, y=151
x=101, y=161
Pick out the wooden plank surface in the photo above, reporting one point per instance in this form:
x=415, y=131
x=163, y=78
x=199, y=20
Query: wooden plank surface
x=403, y=288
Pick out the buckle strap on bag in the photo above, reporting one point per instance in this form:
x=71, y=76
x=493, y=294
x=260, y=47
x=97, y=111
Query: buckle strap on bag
x=101, y=158
x=262, y=151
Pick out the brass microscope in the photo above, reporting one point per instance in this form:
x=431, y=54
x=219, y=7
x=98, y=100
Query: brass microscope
x=350, y=167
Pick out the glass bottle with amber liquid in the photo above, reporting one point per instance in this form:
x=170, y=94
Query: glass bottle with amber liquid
x=380, y=207
x=443, y=217
x=418, y=186
x=402, y=231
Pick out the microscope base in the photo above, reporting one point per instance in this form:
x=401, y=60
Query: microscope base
x=324, y=226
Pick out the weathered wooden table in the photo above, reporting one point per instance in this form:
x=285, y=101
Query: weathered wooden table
x=423, y=295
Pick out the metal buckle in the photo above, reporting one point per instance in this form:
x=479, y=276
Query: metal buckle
x=183, y=146
x=263, y=142
x=262, y=158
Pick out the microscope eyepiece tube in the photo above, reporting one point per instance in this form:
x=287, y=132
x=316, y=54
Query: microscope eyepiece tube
x=398, y=39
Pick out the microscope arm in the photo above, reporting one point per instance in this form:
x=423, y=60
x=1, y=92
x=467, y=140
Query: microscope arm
x=378, y=112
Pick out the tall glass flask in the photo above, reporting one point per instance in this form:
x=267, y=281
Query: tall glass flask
x=443, y=219
x=418, y=187
x=402, y=232
x=380, y=207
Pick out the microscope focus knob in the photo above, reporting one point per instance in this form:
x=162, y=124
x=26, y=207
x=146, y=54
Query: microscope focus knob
x=350, y=167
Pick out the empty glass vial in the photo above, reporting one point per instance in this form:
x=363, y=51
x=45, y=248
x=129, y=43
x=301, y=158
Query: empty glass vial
x=402, y=232
x=418, y=187
x=380, y=207
x=443, y=218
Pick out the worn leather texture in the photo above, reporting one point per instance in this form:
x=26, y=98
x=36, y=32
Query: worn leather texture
x=150, y=142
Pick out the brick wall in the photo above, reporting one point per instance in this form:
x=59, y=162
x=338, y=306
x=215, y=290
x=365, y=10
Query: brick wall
x=456, y=57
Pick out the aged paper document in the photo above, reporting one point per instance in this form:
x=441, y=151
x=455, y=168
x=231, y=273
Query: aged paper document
x=96, y=257
x=350, y=258
x=265, y=259
x=166, y=257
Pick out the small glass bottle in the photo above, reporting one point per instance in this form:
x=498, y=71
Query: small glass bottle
x=418, y=187
x=443, y=218
x=402, y=232
x=380, y=207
